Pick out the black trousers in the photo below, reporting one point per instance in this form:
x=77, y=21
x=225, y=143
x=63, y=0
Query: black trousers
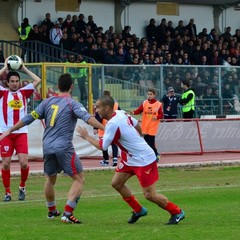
x=150, y=139
x=82, y=88
x=114, y=152
x=189, y=114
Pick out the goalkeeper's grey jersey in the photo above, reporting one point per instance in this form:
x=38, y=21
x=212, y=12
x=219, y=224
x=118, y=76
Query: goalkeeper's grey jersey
x=60, y=115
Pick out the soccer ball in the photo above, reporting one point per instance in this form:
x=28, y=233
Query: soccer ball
x=14, y=62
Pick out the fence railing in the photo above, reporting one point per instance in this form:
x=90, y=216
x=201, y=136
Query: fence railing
x=217, y=88
x=36, y=51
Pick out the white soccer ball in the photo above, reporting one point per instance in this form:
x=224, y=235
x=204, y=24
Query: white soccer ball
x=14, y=62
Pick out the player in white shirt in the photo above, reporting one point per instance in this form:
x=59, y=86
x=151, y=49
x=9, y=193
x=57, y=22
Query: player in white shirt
x=137, y=158
x=13, y=107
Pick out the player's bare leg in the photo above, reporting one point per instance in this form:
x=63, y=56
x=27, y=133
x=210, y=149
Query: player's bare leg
x=162, y=201
x=118, y=183
x=73, y=198
x=77, y=187
x=50, y=197
x=151, y=194
x=49, y=188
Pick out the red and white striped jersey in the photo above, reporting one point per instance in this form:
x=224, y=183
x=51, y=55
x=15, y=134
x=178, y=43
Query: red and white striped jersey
x=13, y=106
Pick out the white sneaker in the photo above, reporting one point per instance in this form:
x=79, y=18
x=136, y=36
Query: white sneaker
x=70, y=219
x=104, y=162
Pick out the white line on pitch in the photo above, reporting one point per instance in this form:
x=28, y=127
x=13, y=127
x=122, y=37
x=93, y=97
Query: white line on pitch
x=135, y=193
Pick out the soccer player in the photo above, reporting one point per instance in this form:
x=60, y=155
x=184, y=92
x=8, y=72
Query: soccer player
x=137, y=158
x=152, y=112
x=60, y=114
x=13, y=105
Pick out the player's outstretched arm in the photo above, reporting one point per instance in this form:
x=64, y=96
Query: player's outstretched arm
x=95, y=123
x=28, y=119
x=35, y=78
x=83, y=133
x=5, y=134
x=5, y=67
x=17, y=126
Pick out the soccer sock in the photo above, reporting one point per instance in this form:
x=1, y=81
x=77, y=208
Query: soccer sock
x=51, y=206
x=24, y=176
x=70, y=206
x=6, y=180
x=172, y=208
x=133, y=203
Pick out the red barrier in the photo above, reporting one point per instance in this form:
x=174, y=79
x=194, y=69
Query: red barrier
x=198, y=136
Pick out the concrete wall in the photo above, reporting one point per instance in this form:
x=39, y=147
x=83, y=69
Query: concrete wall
x=136, y=15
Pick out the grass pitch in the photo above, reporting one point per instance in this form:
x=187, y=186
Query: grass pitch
x=209, y=197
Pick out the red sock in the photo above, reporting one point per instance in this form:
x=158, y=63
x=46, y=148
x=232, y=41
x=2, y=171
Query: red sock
x=6, y=180
x=172, y=208
x=133, y=203
x=68, y=209
x=52, y=208
x=24, y=176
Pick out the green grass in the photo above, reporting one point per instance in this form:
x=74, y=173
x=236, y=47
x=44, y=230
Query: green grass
x=209, y=196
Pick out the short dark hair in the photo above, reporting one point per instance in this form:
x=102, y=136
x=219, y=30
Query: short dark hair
x=12, y=73
x=106, y=101
x=65, y=82
x=185, y=82
x=25, y=20
x=106, y=93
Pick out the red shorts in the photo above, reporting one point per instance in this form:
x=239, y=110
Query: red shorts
x=146, y=175
x=17, y=142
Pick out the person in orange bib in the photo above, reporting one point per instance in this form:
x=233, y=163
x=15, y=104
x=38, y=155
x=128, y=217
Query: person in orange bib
x=152, y=112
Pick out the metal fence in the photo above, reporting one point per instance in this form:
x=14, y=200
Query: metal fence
x=36, y=51
x=217, y=88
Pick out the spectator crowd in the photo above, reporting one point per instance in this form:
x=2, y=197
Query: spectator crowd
x=163, y=44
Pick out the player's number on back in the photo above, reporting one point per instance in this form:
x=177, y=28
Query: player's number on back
x=54, y=114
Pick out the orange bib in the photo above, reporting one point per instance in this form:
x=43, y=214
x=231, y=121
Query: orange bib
x=149, y=125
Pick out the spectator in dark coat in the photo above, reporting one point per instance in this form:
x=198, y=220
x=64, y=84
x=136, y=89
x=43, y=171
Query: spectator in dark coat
x=191, y=27
x=48, y=23
x=151, y=31
x=81, y=46
x=92, y=24
x=68, y=24
x=170, y=104
x=81, y=25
